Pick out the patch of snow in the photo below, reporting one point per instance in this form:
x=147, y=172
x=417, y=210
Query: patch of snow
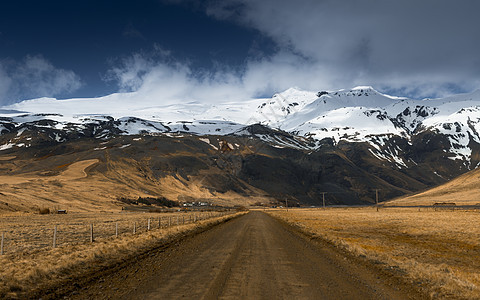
x=20, y=132
x=206, y=140
x=6, y=146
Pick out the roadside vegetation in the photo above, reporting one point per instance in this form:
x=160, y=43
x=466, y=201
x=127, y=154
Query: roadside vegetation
x=438, y=251
x=26, y=273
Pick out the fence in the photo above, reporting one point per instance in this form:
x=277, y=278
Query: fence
x=424, y=208
x=30, y=233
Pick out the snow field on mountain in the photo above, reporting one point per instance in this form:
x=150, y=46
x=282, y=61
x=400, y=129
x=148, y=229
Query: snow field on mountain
x=360, y=114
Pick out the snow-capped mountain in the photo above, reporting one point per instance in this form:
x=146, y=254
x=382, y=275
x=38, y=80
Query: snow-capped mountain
x=294, y=144
x=356, y=115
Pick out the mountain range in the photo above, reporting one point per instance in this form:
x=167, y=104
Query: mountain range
x=295, y=145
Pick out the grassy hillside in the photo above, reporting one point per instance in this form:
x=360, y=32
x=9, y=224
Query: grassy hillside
x=85, y=176
x=91, y=174
x=463, y=190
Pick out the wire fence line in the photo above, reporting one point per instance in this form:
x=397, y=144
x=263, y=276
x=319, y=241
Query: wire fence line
x=30, y=233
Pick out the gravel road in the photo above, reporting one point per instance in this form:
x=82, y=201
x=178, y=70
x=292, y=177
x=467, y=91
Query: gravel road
x=251, y=257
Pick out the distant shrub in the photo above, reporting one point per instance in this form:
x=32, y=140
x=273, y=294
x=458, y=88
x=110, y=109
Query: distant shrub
x=240, y=208
x=44, y=211
x=56, y=183
x=160, y=201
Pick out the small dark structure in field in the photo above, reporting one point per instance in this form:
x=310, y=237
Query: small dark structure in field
x=160, y=201
x=44, y=211
x=444, y=205
x=61, y=211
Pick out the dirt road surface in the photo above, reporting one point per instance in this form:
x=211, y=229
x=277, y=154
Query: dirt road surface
x=252, y=257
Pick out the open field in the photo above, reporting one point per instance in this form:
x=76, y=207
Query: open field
x=27, y=232
x=437, y=250
x=31, y=264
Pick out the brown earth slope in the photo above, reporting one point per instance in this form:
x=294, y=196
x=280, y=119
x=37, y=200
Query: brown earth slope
x=91, y=175
x=185, y=168
x=463, y=190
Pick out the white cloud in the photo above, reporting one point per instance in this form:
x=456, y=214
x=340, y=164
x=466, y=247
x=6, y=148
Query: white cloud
x=34, y=77
x=158, y=76
x=410, y=48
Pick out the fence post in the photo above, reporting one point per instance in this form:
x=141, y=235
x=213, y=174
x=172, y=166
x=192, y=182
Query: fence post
x=169, y=221
x=116, y=229
x=91, y=233
x=134, y=227
x=54, y=236
x=148, y=226
x=1, y=244
x=159, y=222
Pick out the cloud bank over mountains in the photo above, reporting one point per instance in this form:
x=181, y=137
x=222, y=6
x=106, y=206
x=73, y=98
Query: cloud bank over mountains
x=419, y=47
x=407, y=48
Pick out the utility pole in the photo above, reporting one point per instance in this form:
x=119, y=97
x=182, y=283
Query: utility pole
x=286, y=203
x=376, y=198
x=323, y=198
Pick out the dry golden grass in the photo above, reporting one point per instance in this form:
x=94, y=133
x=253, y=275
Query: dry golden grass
x=463, y=190
x=437, y=250
x=23, y=271
x=72, y=172
x=78, y=187
x=7, y=158
x=28, y=232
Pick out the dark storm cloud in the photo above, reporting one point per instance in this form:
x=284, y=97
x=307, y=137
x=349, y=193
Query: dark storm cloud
x=420, y=47
x=408, y=48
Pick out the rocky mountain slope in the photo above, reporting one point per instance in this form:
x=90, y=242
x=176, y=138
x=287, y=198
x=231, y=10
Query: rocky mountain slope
x=296, y=145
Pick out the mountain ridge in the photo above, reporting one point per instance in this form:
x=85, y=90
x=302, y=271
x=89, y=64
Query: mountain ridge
x=345, y=142
x=360, y=114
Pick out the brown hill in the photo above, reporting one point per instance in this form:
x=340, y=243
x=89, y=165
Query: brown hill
x=463, y=190
x=93, y=173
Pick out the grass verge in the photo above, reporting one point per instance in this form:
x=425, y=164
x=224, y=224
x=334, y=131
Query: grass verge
x=53, y=272
x=436, y=251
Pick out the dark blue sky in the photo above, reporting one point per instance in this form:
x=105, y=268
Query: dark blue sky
x=236, y=48
x=88, y=37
